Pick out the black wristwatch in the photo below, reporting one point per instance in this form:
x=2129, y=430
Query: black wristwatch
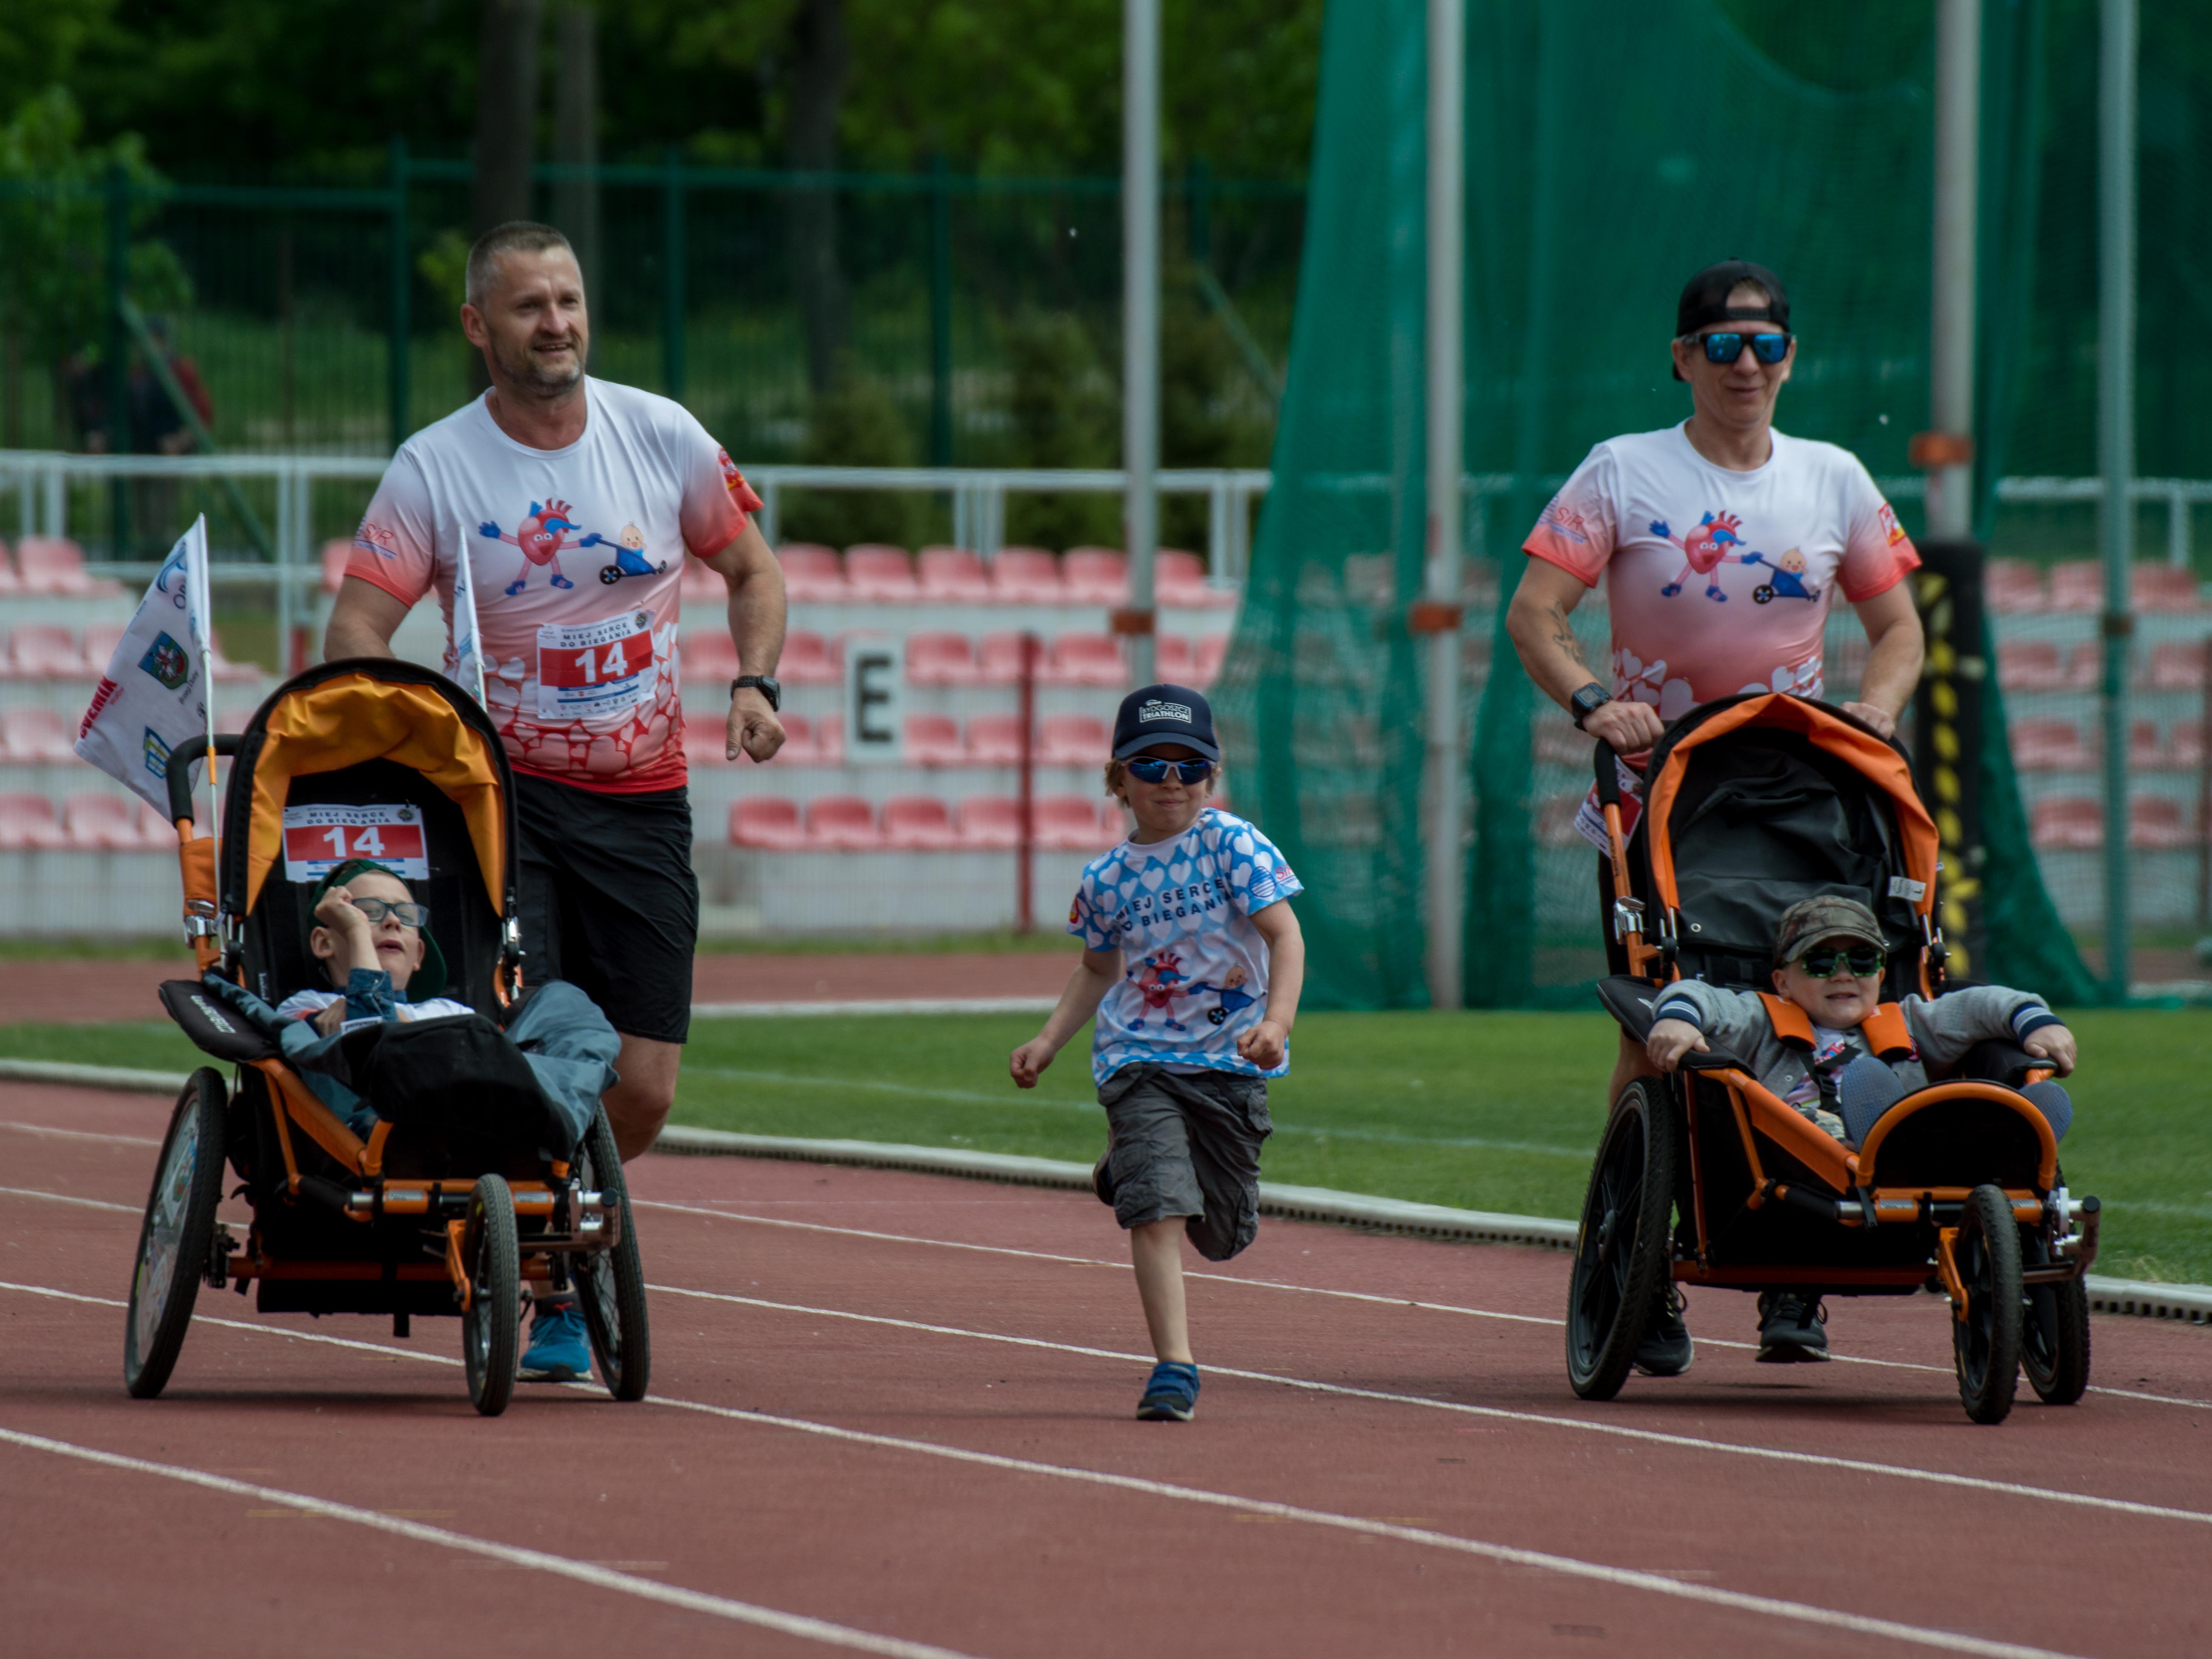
x=1587, y=701
x=765, y=684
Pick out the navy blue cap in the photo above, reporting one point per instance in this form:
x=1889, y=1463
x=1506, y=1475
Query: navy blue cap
x=1164, y=714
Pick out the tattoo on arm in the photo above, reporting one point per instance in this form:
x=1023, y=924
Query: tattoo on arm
x=1563, y=635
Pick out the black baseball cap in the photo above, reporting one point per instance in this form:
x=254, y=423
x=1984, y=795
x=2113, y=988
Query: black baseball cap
x=1706, y=299
x=1164, y=714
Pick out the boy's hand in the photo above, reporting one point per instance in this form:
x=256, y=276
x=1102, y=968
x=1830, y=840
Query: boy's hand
x=1027, y=1063
x=1264, y=1045
x=2054, y=1043
x=332, y=1020
x=337, y=910
x=1671, y=1039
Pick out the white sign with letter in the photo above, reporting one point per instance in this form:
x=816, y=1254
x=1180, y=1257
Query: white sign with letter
x=875, y=699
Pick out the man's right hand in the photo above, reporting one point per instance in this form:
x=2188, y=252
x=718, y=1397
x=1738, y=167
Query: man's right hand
x=1630, y=727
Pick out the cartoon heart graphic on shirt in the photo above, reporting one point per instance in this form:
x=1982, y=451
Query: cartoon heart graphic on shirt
x=1179, y=874
x=1243, y=845
x=1240, y=875
x=1155, y=879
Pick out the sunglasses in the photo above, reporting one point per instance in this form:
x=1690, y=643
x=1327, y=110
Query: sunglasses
x=1146, y=769
x=409, y=915
x=1727, y=348
x=1822, y=961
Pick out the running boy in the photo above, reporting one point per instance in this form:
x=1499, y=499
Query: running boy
x=1193, y=962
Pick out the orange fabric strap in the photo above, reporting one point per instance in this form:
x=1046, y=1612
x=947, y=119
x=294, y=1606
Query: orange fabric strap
x=1885, y=1031
x=1790, y=1021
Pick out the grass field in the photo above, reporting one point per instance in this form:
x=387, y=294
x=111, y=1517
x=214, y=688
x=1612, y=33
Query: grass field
x=1490, y=1111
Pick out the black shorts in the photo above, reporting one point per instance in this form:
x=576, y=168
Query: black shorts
x=609, y=900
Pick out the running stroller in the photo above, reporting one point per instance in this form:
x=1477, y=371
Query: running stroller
x=1705, y=1177
x=471, y=1188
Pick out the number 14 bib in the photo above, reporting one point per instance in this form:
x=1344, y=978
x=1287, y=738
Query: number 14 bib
x=595, y=671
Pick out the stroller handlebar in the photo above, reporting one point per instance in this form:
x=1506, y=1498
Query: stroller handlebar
x=181, y=777
x=1603, y=759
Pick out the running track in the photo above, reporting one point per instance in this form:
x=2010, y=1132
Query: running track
x=891, y=1415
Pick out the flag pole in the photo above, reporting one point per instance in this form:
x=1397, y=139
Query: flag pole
x=203, y=598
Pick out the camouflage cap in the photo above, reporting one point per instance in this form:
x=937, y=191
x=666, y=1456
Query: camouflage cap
x=1830, y=917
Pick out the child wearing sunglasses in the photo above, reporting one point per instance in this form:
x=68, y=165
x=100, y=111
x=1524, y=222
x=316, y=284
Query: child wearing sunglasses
x=374, y=941
x=1192, y=963
x=1830, y=956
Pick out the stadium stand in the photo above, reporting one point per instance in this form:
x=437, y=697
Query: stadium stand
x=933, y=740
x=1095, y=575
x=919, y=823
x=812, y=575
x=843, y=823
x=2049, y=745
x=28, y=821
x=953, y=575
x=770, y=823
x=54, y=564
x=2013, y=588
x=35, y=736
x=1027, y=575
x=882, y=573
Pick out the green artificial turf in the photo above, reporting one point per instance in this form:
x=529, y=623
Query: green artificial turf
x=1487, y=1111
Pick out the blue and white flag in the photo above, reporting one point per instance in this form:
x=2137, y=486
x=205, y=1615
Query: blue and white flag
x=464, y=645
x=152, y=702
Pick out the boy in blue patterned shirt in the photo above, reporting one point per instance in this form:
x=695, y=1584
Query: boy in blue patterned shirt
x=1192, y=963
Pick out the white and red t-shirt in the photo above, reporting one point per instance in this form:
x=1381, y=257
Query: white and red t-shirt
x=575, y=557
x=1718, y=581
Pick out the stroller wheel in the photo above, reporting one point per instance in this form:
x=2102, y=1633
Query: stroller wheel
x=610, y=1283
x=178, y=1231
x=1762, y=594
x=491, y=1325
x=1986, y=1344
x=1622, y=1259
x=610, y=573
x=2054, y=1337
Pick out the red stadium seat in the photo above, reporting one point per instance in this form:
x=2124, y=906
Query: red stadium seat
x=1085, y=660
x=2037, y=746
x=54, y=564
x=1070, y=824
x=101, y=640
x=2029, y=665
x=2163, y=587
x=28, y=821
x=1072, y=741
x=1114, y=818
x=35, y=736
x=698, y=585
x=933, y=740
x=801, y=742
x=2013, y=586
x=2185, y=743
x=709, y=654
x=939, y=660
x=9, y=581
x=2177, y=666
x=1171, y=658
x=767, y=822
x=953, y=575
x=1096, y=575
x=155, y=829
x=1555, y=819
x=809, y=659
x=990, y=823
x=811, y=574
x=337, y=553
x=881, y=574
x=2156, y=824
x=1027, y=575
x=843, y=823
x=102, y=823
x=1206, y=656
x=2066, y=823
x=41, y=651
x=994, y=740
x=999, y=660
x=919, y=823
x=828, y=741
x=1179, y=578
x=2146, y=748
x=705, y=746
x=2077, y=584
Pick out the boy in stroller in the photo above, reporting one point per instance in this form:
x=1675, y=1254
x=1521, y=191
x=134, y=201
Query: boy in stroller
x=1826, y=1046
x=374, y=942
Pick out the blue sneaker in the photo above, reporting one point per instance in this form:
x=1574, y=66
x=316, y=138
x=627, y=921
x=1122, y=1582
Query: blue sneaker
x=1172, y=1395
x=560, y=1349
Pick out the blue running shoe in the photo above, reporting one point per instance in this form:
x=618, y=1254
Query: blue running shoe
x=1172, y=1395
x=560, y=1349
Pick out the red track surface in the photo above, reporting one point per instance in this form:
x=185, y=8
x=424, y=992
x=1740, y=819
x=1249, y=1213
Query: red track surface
x=811, y=1451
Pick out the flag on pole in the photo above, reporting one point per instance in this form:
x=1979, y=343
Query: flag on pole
x=152, y=703
x=464, y=651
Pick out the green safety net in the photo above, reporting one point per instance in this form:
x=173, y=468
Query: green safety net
x=1613, y=147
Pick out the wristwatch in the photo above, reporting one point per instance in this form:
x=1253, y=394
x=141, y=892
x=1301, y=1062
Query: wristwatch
x=1587, y=701
x=766, y=686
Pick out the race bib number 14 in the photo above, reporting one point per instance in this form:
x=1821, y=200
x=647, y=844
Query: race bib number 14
x=317, y=839
x=595, y=671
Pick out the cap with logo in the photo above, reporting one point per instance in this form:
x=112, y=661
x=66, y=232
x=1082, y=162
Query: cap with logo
x=1810, y=920
x=1706, y=299
x=1154, y=714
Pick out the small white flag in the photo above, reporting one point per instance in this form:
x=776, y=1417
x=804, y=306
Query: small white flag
x=153, y=700
x=464, y=645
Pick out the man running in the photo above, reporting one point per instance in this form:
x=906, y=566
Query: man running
x=1723, y=542
x=576, y=501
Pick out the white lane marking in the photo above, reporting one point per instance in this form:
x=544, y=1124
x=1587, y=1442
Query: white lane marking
x=1570, y=1567
x=67, y=1198
x=560, y=1566
x=79, y=1135
x=1651, y=1437
x=237, y=1324
x=1314, y=1290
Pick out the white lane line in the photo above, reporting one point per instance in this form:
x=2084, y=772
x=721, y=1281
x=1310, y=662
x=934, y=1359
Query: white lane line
x=1651, y=1437
x=67, y=1198
x=1314, y=1290
x=79, y=1135
x=560, y=1566
x=1569, y=1566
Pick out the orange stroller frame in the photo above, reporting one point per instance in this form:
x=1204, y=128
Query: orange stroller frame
x=411, y=1219
x=1706, y=1177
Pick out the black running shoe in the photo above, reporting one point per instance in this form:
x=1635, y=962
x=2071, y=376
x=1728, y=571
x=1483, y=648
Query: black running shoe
x=1789, y=1328
x=1666, y=1349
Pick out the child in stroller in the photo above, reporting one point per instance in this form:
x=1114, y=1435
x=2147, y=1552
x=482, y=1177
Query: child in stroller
x=374, y=942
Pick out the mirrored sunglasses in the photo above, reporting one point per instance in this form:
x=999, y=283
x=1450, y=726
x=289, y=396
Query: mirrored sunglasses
x=1146, y=769
x=407, y=915
x=1826, y=961
x=1727, y=348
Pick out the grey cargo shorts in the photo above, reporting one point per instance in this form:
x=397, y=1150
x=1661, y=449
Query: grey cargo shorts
x=1187, y=1144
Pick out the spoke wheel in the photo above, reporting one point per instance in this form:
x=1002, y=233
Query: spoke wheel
x=178, y=1233
x=610, y=1283
x=1986, y=1344
x=2054, y=1338
x=1622, y=1257
x=491, y=1325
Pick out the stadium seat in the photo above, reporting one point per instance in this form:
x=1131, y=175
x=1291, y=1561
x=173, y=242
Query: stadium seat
x=880, y=574
x=709, y=654
x=2146, y=748
x=53, y=564
x=990, y=823
x=811, y=574
x=1027, y=575
x=1114, y=818
x=2030, y=665
x=953, y=575
x=2037, y=746
x=933, y=740
x=809, y=660
x=1171, y=658
x=1085, y=660
x=2066, y=823
x=1069, y=824
x=2163, y=587
x=100, y=823
x=1095, y=575
x=2185, y=745
x=101, y=640
x=2177, y=666
x=2156, y=824
x=768, y=822
x=41, y=651
x=1179, y=578
x=994, y=740
x=1072, y=741
x=940, y=660
x=154, y=830
x=1207, y=655
x=843, y=823
x=919, y=823
x=699, y=585
x=9, y=581
x=28, y=821
x=705, y=745
x=2013, y=586
x=828, y=741
x=337, y=553
x=2077, y=584
x=999, y=660
x=34, y=737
